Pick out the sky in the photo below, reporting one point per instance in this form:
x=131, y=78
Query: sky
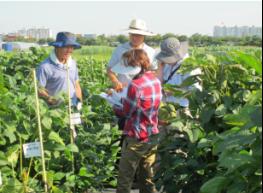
x=113, y=17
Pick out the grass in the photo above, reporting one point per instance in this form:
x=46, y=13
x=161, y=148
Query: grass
x=95, y=52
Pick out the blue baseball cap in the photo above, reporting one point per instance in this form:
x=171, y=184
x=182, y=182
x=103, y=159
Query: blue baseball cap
x=65, y=39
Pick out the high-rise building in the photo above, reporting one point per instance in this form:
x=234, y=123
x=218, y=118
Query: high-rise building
x=90, y=36
x=223, y=31
x=37, y=33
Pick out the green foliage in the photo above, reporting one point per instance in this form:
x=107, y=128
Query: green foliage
x=96, y=146
x=219, y=150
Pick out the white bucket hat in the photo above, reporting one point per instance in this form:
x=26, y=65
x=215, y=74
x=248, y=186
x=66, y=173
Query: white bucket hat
x=138, y=26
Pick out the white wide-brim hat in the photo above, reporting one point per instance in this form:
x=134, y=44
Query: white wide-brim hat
x=120, y=68
x=138, y=26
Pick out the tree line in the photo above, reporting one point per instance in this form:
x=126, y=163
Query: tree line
x=194, y=40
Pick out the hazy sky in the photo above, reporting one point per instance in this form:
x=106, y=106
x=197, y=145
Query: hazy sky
x=109, y=17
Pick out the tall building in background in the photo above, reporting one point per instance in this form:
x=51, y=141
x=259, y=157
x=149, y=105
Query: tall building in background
x=37, y=33
x=90, y=36
x=223, y=31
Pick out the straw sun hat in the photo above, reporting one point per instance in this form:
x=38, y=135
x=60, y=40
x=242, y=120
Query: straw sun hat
x=138, y=26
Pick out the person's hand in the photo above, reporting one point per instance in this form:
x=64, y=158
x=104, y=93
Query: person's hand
x=52, y=101
x=118, y=86
x=109, y=92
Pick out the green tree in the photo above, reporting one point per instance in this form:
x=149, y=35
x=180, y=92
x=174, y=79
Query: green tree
x=122, y=39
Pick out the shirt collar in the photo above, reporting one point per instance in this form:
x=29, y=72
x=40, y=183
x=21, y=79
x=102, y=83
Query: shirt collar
x=54, y=59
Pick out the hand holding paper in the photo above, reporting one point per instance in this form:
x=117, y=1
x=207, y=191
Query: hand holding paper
x=115, y=97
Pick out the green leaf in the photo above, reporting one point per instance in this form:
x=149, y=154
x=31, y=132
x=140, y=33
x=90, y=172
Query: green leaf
x=237, y=186
x=54, y=113
x=83, y=171
x=204, y=143
x=232, y=142
x=215, y=185
x=232, y=160
x=175, y=91
x=10, y=134
x=56, y=138
x=206, y=115
x=47, y=122
x=214, y=97
x=3, y=160
x=211, y=58
x=12, y=186
x=56, y=190
x=221, y=110
x=73, y=148
x=250, y=61
x=256, y=117
x=178, y=125
x=242, y=118
x=255, y=97
x=50, y=178
x=12, y=154
x=58, y=176
x=189, y=81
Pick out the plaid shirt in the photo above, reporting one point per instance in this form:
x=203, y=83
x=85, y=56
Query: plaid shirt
x=141, y=107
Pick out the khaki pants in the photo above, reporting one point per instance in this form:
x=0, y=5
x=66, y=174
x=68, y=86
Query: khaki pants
x=141, y=156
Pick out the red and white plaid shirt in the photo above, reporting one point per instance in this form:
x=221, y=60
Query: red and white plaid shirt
x=141, y=107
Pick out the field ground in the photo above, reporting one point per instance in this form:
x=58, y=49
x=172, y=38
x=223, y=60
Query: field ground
x=114, y=191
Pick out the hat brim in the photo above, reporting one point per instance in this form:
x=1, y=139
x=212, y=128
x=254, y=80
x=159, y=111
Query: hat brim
x=128, y=70
x=140, y=32
x=169, y=59
x=64, y=44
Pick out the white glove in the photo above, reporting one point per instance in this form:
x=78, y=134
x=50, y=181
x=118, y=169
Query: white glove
x=79, y=106
x=195, y=72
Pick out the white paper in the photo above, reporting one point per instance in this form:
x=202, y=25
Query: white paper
x=1, y=182
x=32, y=150
x=76, y=119
x=115, y=98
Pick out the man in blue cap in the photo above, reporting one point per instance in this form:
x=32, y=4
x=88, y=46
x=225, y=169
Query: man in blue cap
x=52, y=72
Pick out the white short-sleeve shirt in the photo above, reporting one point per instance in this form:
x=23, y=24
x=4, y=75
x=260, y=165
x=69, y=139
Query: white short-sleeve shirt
x=117, y=56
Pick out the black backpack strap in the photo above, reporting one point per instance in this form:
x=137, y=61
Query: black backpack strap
x=178, y=65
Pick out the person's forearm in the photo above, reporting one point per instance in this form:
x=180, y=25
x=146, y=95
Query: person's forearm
x=118, y=86
x=112, y=76
x=78, y=91
x=159, y=72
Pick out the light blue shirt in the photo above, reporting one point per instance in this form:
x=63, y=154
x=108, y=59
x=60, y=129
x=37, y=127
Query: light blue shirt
x=53, y=77
x=178, y=79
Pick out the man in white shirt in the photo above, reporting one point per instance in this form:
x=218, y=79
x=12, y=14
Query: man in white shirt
x=119, y=73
